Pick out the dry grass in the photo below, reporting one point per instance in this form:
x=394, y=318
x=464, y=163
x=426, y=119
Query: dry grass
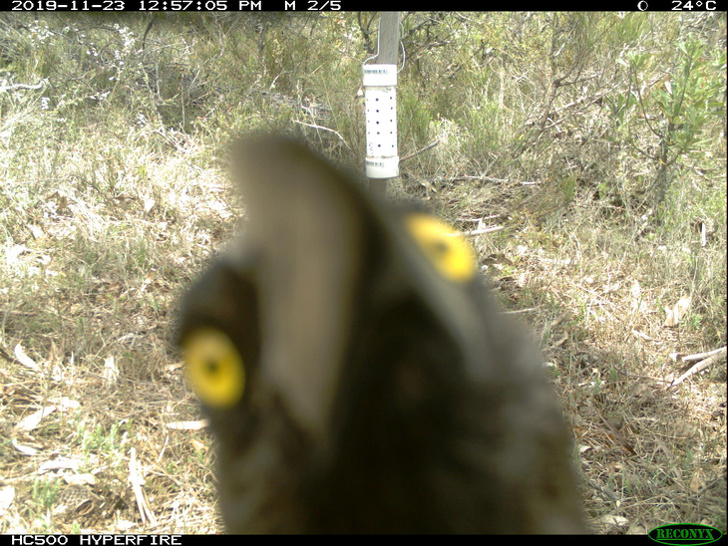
x=91, y=302
x=107, y=214
x=650, y=453
x=92, y=280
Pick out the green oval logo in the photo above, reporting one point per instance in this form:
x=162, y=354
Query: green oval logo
x=685, y=533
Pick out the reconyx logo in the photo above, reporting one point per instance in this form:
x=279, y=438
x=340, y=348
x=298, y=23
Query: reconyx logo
x=684, y=533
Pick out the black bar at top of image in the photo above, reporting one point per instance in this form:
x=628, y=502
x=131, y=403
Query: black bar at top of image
x=193, y=6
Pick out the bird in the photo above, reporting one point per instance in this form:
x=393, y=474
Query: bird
x=358, y=374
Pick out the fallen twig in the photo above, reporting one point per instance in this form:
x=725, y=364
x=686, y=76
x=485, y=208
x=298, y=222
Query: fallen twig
x=712, y=357
x=417, y=152
x=137, y=481
x=482, y=230
x=322, y=128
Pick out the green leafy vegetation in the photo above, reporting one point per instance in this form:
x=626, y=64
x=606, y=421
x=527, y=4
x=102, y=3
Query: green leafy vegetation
x=594, y=145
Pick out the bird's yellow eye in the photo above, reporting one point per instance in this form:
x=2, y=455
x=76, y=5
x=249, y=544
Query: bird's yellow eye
x=214, y=368
x=447, y=249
